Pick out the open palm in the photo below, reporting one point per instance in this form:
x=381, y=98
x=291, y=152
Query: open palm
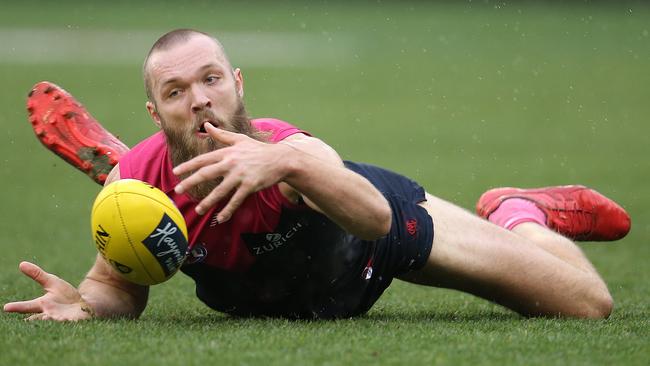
x=61, y=301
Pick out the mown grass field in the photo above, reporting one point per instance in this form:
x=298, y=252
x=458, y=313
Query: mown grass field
x=461, y=97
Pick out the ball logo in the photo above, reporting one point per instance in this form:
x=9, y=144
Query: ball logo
x=167, y=244
x=102, y=237
x=122, y=268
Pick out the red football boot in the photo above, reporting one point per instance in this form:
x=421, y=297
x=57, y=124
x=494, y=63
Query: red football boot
x=577, y=212
x=65, y=127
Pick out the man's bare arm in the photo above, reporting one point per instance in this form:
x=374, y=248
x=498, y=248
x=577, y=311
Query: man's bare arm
x=310, y=167
x=317, y=173
x=109, y=295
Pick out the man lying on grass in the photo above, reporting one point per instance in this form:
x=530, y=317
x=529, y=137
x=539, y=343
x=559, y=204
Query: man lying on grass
x=356, y=227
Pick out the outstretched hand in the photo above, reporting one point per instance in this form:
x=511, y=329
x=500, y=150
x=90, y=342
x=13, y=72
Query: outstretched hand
x=61, y=301
x=246, y=165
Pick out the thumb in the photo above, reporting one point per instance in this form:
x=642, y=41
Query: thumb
x=221, y=135
x=35, y=273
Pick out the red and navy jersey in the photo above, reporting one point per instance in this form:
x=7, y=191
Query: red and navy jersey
x=275, y=258
x=218, y=245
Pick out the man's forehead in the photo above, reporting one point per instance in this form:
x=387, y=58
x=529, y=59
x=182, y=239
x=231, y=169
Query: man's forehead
x=198, y=50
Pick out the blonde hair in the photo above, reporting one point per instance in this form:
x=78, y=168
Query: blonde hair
x=167, y=41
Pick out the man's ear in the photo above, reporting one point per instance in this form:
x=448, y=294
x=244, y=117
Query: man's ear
x=151, y=108
x=239, y=82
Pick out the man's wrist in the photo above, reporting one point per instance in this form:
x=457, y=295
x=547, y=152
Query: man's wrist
x=290, y=156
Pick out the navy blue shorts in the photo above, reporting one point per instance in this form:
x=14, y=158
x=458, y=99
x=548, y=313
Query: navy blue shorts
x=408, y=244
x=326, y=273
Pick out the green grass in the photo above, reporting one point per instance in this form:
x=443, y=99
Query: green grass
x=460, y=97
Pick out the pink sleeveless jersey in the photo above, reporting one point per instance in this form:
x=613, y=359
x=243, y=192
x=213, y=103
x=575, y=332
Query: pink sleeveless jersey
x=218, y=245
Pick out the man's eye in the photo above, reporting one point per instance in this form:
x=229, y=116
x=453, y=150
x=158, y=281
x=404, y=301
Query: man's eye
x=211, y=79
x=174, y=93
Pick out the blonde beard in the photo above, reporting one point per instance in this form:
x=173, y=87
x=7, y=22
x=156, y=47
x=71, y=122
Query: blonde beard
x=185, y=145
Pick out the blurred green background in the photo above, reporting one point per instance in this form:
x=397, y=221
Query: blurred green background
x=461, y=96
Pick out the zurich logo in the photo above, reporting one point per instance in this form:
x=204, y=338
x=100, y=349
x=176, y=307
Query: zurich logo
x=273, y=237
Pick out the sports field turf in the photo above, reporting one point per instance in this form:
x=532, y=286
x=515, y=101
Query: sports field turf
x=461, y=97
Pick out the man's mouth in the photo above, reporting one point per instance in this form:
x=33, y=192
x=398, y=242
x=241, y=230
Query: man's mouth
x=201, y=128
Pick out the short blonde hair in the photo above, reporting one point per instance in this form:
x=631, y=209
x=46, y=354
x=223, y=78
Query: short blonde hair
x=167, y=41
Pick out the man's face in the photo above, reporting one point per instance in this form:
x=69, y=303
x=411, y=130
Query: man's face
x=193, y=83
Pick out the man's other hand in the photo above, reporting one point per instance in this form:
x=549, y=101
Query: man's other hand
x=246, y=165
x=61, y=301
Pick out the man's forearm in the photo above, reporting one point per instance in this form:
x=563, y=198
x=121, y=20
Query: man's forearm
x=345, y=197
x=108, y=295
x=108, y=301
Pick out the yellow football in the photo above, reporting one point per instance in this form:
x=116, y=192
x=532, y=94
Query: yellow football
x=139, y=231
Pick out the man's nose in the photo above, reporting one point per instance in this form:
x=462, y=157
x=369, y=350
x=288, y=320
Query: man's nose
x=199, y=99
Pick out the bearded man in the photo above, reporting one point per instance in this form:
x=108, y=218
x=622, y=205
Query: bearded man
x=279, y=225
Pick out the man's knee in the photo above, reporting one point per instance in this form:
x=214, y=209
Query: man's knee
x=601, y=306
x=595, y=304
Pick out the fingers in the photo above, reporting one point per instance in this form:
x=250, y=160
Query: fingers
x=210, y=172
x=216, y=165
x=231, y=182
x=233, y=204
x=212, y=157
x=50, y=317
x=36, y=273
x=223, y=136
x=39, y=316
x=24, y=307
x=219, y=192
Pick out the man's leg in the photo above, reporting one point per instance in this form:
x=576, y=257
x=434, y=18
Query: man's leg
x=531, y=269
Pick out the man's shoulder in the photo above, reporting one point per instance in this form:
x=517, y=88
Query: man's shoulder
x=278, y=128
x=147, y=160
x=152, y=146
x=154, y=142
x=270, y=124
